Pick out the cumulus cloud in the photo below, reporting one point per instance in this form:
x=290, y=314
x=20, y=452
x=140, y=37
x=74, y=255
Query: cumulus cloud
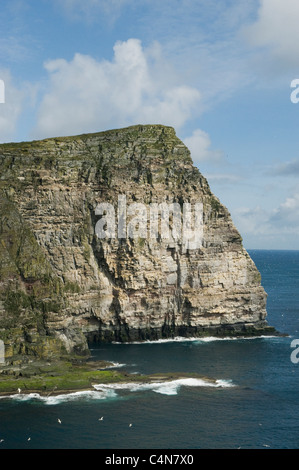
x=287, y=214
x=11, y=109
x=86, y=95
x=252, y=221
x=199, y=144
x=264, y=225
x=276, y=29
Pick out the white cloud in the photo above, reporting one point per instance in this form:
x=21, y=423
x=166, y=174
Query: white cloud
x=10, y=111
x=276, y=29
x=199, y=144
x=251, y=221
x=86, y=95
x=200, y=37
x=287, y=214
x=223, y=178
x=259, y=231
x=268, y=228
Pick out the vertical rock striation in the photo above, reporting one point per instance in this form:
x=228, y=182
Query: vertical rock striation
x=62, y=286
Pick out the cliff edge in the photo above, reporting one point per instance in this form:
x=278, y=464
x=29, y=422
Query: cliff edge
x=84, y=258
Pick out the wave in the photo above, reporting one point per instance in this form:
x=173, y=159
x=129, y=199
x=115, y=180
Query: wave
x=178, y=339
x=111, y=391
x=62, y=398
x=234, y=338
x=158, y=341
x=114, y=365
x=165, y=388
x=206, y=339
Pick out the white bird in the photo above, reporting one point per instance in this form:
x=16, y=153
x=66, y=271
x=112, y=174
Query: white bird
x=130, y=425
x=265, y=445
x=29, y=439
x=19, y=390
x=101, y=419
x=59, y=421
x=1, y=440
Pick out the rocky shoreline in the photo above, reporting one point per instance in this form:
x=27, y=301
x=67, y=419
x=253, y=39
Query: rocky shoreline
x=76, y=374
x=65, y=378
x=241, y=330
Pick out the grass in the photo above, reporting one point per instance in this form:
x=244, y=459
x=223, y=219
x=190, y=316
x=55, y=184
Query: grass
x=61, y=377
x=47, y=384
x=64, y=377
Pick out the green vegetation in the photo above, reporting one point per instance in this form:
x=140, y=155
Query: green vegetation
x=60, y=378
x=215, y=205
x=64, y=376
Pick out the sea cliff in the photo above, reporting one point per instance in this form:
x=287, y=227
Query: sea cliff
x=62, y=286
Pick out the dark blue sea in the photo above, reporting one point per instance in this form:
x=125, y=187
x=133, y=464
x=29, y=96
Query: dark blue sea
x=253, y=404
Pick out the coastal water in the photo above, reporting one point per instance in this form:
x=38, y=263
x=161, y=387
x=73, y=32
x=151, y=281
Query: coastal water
x=252, y=405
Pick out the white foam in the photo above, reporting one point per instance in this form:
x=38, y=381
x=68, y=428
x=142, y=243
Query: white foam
x=114, y=365
x=65, y=397
x=224, y=383
x=25, y=396
x=178, y=339
x=76, y=396
x=108, y=391
x=210, y=339
x=166, y=388
x=198, y=339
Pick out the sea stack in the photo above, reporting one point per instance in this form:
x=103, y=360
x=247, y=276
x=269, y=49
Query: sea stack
x=63, y=284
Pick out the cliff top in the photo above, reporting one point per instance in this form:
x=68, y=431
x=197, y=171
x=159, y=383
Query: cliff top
x=131, y=133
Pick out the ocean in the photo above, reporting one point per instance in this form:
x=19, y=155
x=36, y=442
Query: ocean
x=252, y=405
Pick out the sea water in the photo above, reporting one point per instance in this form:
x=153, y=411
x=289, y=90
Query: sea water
x=252, y=402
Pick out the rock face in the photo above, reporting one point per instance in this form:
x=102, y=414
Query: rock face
x=61, y=286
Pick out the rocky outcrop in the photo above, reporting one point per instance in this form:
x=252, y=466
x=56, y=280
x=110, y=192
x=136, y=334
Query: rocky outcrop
x=61, y=286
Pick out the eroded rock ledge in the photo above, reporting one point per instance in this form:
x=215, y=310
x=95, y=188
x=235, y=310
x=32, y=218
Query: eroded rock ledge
x=61, y=286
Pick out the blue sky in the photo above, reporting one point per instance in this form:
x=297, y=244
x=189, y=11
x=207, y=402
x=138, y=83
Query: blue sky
x=220, y=72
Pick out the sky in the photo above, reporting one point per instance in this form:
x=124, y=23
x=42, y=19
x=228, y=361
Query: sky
x=222, y=73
